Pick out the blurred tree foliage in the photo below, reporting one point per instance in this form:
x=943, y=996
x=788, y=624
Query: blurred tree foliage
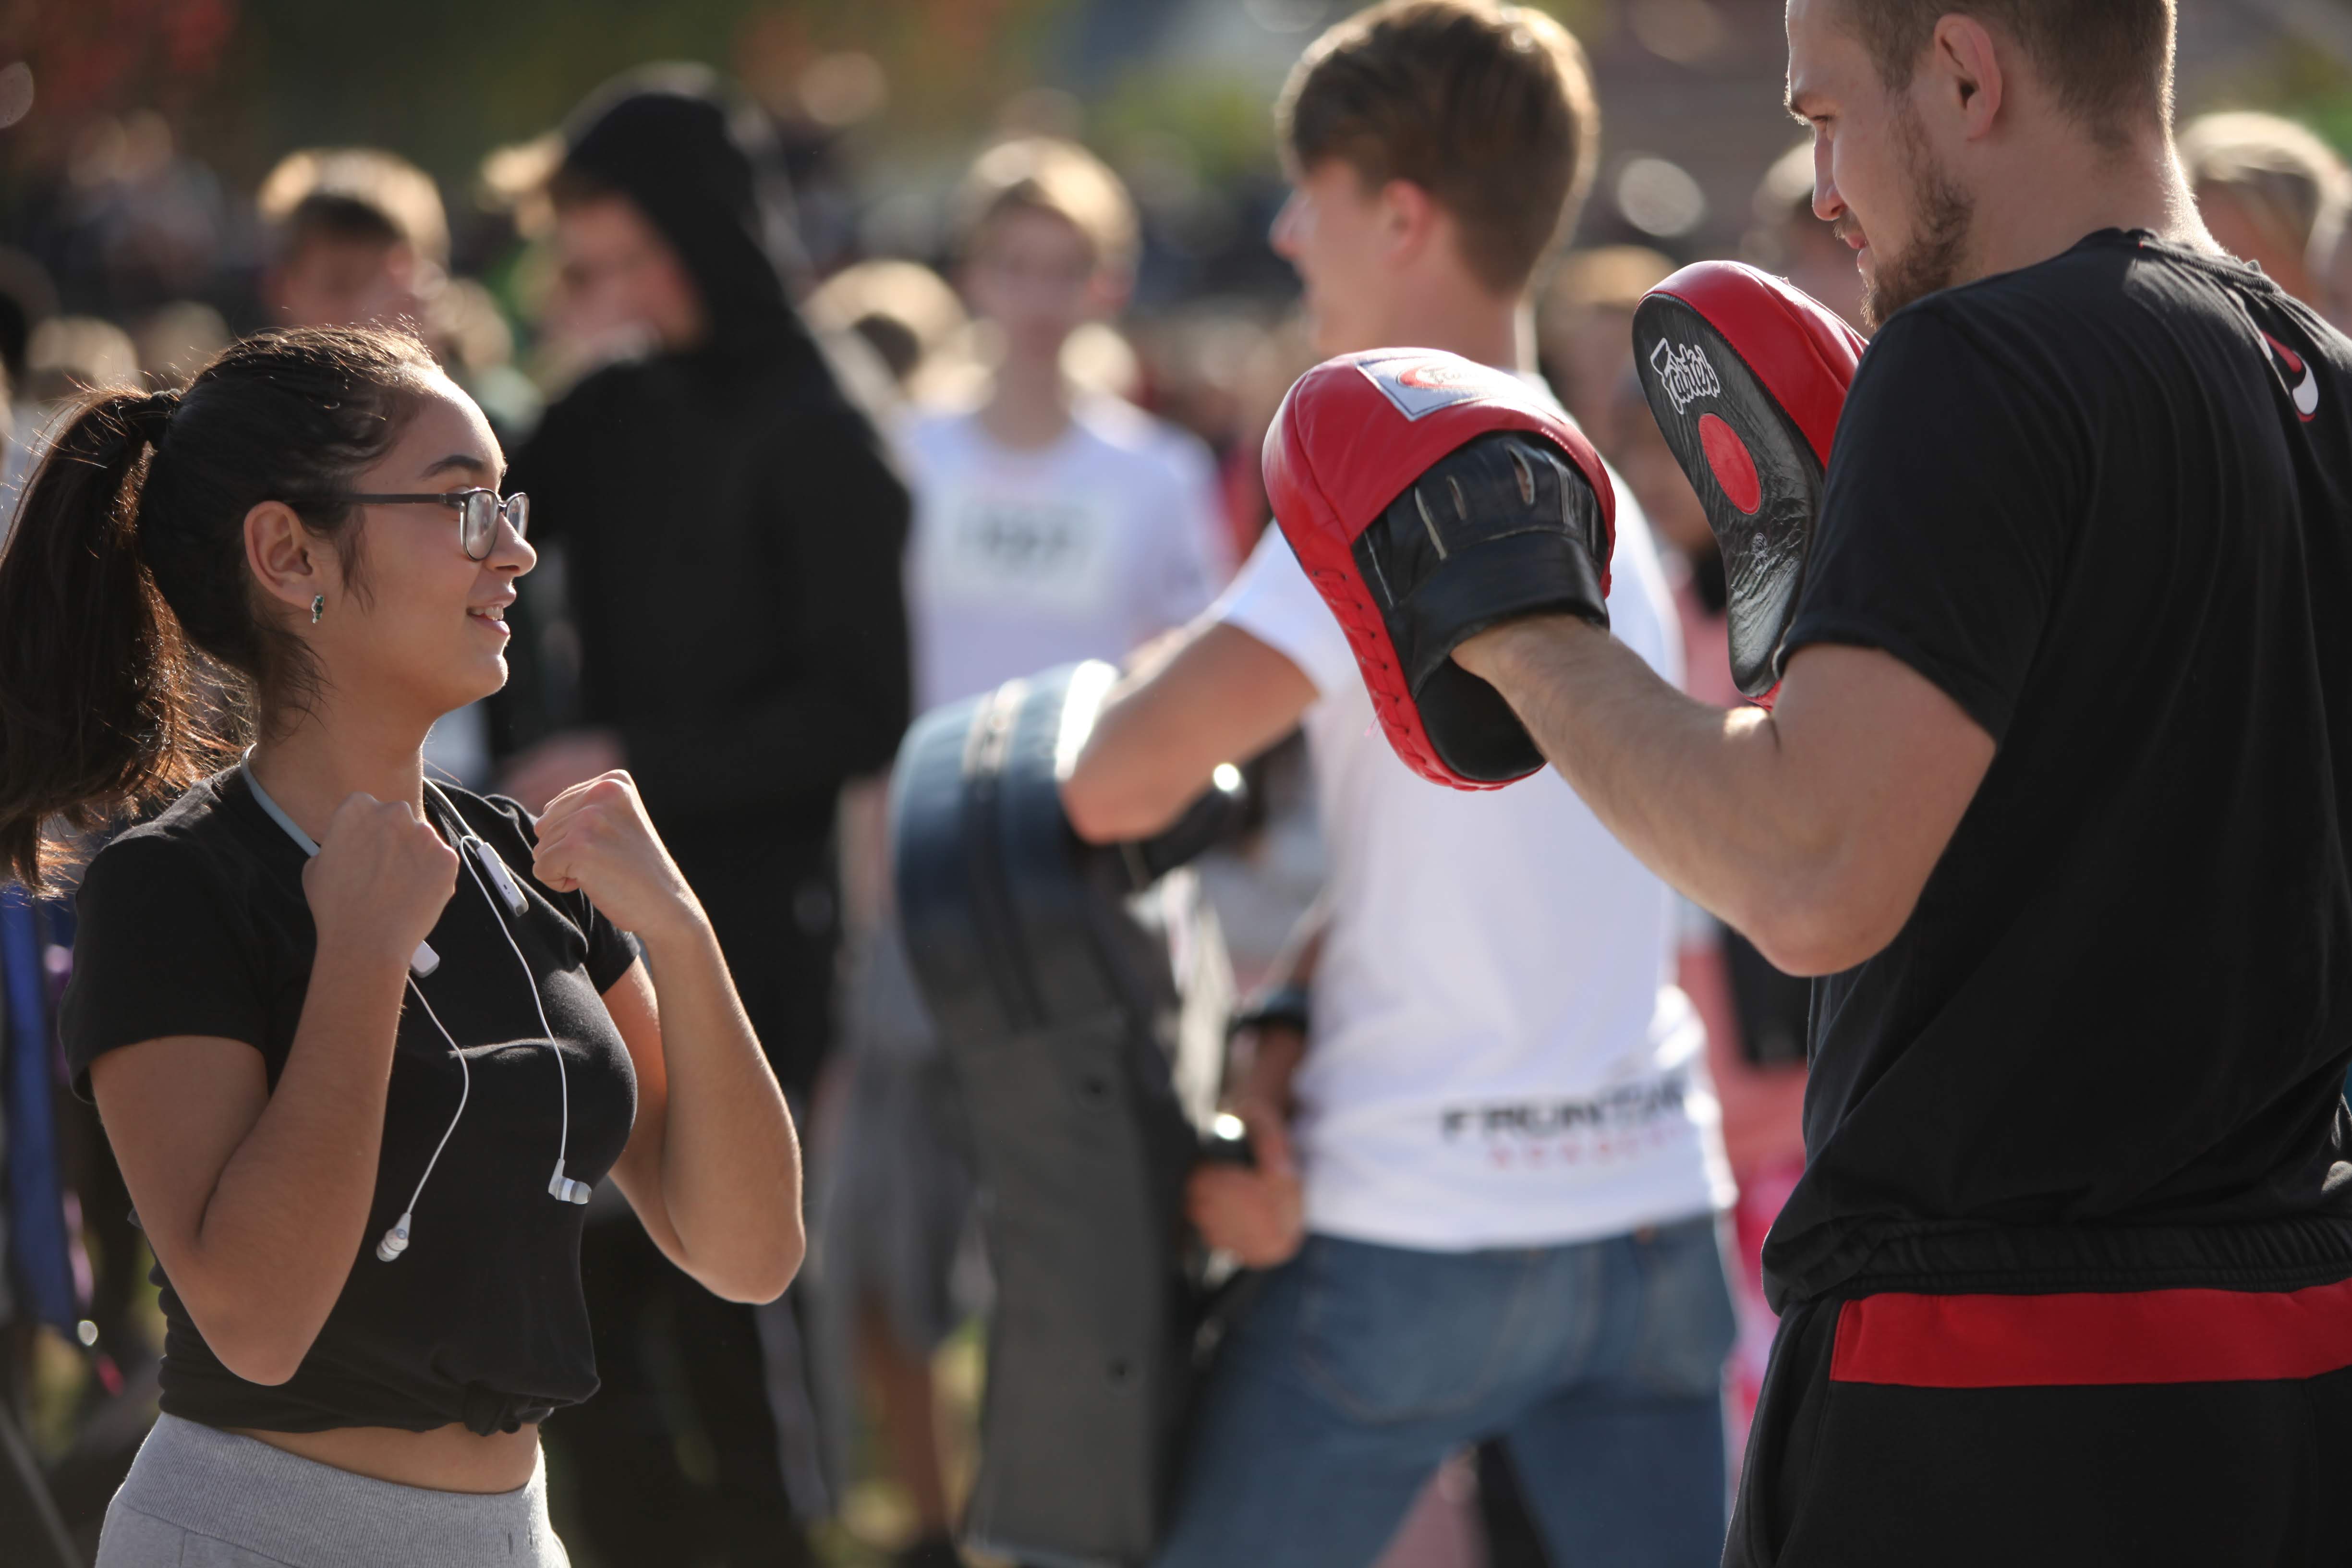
x=445, y=81
x=2300, y=82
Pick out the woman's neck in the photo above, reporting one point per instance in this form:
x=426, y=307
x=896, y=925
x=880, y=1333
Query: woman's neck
x=311, y=765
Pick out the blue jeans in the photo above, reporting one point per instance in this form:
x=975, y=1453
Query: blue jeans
x=1357, y=1369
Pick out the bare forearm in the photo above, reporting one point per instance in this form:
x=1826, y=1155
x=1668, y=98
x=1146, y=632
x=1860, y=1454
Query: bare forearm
x=731, y=1171
x=1214, y=694
x=276, y=1240
x=1703, y=797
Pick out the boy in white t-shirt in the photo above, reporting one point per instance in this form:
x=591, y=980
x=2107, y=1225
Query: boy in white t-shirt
x=1050, y=526
x=1488, y=1166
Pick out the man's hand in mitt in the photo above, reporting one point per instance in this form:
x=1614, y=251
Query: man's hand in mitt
x=1429, y=499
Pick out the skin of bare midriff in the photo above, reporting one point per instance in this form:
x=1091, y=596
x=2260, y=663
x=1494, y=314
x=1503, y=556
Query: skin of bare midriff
x=447, y=1458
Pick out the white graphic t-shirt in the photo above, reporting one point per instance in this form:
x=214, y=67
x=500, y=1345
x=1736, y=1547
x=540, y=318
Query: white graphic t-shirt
x=1023, y=559
x=1499, y=1056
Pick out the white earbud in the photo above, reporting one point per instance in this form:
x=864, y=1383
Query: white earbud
x=394, y=1242
x=501, y=877
x=560, y=1186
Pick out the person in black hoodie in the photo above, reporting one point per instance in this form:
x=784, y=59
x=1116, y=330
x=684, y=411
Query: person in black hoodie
x=731, y=530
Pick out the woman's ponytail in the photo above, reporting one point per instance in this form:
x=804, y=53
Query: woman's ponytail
x=126, y=562
x=97, y=706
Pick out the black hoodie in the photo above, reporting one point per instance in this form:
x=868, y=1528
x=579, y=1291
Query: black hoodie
x=732, y=532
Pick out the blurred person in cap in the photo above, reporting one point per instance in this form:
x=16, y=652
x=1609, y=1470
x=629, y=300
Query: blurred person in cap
x=2270, y=191
x=1584, y=325
x=1789, y=239
x=1054, y=522
x=731, y=530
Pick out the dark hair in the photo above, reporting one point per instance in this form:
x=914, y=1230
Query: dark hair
x=1488, y=108
x=339, y=219
x=2108, y=61
x=126, y=561
x=570, y=187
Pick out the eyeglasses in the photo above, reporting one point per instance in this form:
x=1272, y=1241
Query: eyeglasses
x=480, y=512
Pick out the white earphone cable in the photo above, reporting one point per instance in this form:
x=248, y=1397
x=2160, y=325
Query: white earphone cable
x=395, y=1240
x=470, y=847
x=558, y=1185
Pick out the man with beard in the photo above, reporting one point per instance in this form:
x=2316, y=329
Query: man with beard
x=2054, y=800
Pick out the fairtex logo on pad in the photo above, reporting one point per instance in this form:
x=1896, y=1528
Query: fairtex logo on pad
x=1685, y=373
x=1420, y=383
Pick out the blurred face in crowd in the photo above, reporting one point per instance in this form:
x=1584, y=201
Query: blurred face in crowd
x=621, y=277
x=1332, y=232
x=335, y=282
x=2237, y=229
x=1595, y=350
x=422, y=627
x=1820, y=263
x=1877, y=176
x=2334, y=282
x=1035, y=275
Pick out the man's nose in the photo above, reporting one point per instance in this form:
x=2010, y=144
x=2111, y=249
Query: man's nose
x=1828, y=206
x=1285, y=221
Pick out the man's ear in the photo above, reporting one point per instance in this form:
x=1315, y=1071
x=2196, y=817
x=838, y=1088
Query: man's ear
x=1409, y=220
x=1966, y=71
x=289, y=560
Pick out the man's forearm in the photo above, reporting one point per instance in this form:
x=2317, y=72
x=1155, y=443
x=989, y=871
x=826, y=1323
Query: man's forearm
x=1699, y=795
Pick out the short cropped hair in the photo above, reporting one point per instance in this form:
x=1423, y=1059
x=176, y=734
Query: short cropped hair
x=353, y=194
x=2287, y=179
x=2109, y=61
x=1047, y=173
x=1487, y=107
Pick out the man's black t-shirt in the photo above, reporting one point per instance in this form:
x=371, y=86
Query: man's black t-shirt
x=2105, y=504
x=195, y=923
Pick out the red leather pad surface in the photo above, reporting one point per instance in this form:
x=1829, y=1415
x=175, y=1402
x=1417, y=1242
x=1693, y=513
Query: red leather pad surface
x=1350, y=436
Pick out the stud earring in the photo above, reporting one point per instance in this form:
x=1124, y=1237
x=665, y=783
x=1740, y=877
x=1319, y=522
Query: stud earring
x=318, y=608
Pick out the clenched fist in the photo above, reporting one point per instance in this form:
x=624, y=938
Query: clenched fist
x=380, y=879
x=597, y=838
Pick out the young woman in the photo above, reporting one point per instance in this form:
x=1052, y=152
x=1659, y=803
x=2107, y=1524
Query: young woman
x=362, y=1043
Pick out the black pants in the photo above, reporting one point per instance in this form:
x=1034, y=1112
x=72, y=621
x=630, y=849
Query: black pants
x=1849, y=1472
x=674, y=1459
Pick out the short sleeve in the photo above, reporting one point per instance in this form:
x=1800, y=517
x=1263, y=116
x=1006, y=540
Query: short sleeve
x=610, y=949
x=1948, y=516
x=160, y=950
x=1273, y=600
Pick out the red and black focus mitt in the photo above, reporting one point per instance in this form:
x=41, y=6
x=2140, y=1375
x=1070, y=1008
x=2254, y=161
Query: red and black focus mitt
x=1747, y=376
x=1430, y=498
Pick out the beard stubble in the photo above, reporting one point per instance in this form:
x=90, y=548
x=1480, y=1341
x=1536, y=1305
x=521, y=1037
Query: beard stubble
x=1939, y=240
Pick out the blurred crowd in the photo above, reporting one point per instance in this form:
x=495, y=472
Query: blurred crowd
x=717, y=608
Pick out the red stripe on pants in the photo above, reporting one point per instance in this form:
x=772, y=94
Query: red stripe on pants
x=2145, y=1336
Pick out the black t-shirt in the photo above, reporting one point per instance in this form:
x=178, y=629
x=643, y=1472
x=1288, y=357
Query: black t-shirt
x=195, y=923
x=2106, y=503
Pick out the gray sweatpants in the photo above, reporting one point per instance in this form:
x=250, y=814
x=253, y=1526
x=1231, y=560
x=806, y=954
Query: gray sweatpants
x=200, y=1498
